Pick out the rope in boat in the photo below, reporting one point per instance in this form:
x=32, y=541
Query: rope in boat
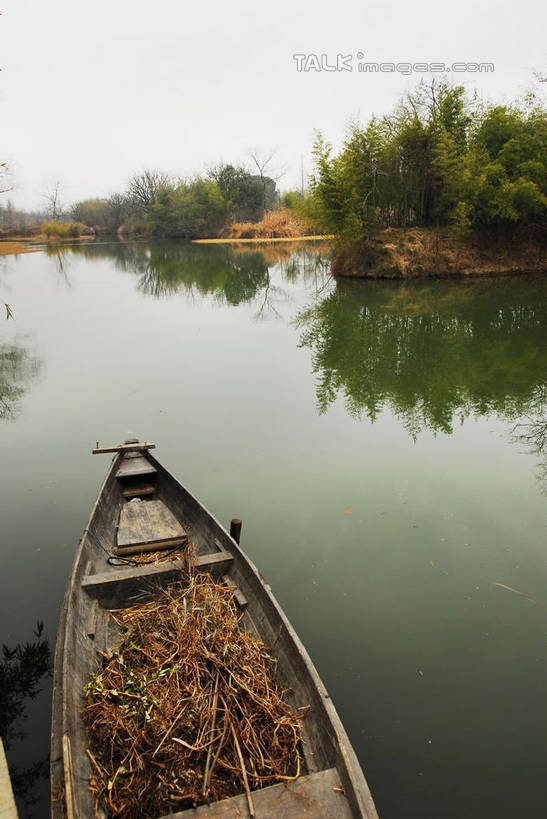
x=114, y=560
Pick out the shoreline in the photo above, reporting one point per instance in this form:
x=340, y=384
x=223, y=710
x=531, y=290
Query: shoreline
x=32, y=244
x=265, y=240
x=428, y=253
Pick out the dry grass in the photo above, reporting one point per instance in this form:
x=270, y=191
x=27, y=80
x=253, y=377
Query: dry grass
x=429, y=253
x=276, y=224
x=189, y=710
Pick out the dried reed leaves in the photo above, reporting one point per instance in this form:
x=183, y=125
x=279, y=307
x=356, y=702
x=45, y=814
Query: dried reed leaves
x=189, y=710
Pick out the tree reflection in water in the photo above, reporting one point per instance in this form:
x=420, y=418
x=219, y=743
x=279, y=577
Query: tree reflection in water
x=531, y=432
x=22, y=669
x=18, y=367
x=433, y=353
x=232, y=274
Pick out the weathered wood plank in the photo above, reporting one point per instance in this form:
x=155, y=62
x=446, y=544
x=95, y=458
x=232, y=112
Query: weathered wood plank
x=316, y=796
x=153, y=546
x=138, y=489
x=239, y=597
x=136, y=447
x=132, y=467
x=145, y=522
x=7, y=802
x=116, y=588
x=69, y=776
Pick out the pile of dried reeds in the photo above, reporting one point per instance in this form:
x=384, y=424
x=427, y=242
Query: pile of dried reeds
x=189, y=710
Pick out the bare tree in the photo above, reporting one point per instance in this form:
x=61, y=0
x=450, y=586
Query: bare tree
x=143, y=187
x=52, y=197
x=263, y=161
x=5, y=185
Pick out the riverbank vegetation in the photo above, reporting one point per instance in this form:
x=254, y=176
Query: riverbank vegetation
x=27, y=240
x=437, y=252
x=444, y=185
x=443, y=162
x=280, y=224
x=155, y=204
x=56, y=229
x=203, y=207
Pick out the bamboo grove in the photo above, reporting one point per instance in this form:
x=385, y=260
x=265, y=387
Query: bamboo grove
x=442, y=158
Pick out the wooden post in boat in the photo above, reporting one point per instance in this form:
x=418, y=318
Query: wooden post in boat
x=235, y=529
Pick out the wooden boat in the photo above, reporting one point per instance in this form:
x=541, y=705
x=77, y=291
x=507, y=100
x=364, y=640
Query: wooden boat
x=332, y=783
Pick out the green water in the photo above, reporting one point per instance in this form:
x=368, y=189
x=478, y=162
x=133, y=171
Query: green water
x=368, y=436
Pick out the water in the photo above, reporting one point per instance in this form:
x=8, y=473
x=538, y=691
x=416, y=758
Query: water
x=367, y=435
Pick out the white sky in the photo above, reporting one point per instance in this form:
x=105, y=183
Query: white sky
x=90, y=93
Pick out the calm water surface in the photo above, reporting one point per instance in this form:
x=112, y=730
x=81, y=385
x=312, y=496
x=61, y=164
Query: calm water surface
x=383, y=445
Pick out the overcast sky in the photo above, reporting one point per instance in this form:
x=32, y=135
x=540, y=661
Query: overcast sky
x=91, y=92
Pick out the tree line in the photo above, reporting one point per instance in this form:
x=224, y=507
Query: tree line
x=158, y=205
x=442, y=158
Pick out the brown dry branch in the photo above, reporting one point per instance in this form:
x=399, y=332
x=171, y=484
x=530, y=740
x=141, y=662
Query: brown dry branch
x=189, y=710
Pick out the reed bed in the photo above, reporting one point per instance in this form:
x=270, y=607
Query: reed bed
x=189, y=710
x=275, y=224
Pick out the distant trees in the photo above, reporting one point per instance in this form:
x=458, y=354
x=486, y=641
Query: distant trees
x=262, y=161
x=248, y=195
x=103, y=215
x=439, y=159
x=90, y=211
x=144, y=187
x=157, y=205
x=189, y=210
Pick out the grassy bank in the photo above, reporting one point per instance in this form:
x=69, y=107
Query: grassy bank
x=398, y=253
x=31, y=239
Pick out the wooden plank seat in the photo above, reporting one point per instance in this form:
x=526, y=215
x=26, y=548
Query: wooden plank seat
x=147, y=526
x=137, y=488
x=119, y=589
x=135, y=465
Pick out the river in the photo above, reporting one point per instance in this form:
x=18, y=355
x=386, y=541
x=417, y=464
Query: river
x=383, y=443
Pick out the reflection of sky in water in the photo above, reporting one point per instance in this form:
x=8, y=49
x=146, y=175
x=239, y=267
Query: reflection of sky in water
x=230, y=398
